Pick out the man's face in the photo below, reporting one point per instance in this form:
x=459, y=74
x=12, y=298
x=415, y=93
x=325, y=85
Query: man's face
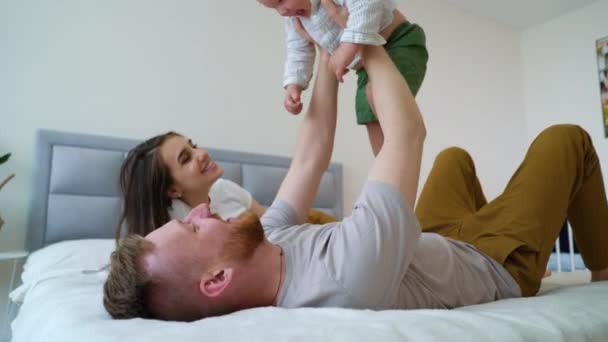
x=289, y=8
x=202, y=240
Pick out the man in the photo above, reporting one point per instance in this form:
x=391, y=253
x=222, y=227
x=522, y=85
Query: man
x=377, y=258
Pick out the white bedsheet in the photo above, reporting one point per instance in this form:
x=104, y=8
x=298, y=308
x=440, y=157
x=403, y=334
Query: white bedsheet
x=61, y=303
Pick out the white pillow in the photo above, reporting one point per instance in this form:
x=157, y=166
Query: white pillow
x=63, y=259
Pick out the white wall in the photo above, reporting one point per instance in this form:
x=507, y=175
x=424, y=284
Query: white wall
x=472, y=96
x=137, y=68
x=561, y=74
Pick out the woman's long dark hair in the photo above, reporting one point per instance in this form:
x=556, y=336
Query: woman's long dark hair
x=144, y=183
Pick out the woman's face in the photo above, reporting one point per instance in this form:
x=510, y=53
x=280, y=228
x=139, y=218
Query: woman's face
x=192, y=169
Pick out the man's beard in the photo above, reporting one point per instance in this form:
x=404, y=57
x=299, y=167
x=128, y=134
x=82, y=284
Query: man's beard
x=246, y=234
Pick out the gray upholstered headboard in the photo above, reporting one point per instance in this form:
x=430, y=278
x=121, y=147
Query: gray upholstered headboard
x=76, y=194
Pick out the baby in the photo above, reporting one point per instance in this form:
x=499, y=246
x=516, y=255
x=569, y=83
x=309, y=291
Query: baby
x=370, y=22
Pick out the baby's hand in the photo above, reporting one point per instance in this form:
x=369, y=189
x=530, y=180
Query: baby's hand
x=293, y=98
x=342, y=58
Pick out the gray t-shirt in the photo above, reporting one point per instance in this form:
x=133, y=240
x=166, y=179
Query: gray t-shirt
x=377, y=258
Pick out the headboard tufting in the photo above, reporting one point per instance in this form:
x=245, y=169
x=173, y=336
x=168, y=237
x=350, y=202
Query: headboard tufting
x=75, y=184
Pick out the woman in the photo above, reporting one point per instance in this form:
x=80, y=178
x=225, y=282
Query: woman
x=167, y=175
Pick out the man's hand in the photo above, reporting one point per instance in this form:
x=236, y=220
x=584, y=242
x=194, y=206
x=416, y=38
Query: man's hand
x=342, y=58
x=293, y=98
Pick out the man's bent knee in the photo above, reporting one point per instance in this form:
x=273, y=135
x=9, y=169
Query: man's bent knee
x=455, y=156
x=563, y=132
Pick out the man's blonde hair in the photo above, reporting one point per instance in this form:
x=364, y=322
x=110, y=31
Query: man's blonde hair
x=131, y=292
x=124, y=293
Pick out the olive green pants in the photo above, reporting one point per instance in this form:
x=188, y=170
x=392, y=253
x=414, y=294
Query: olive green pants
x=407, y=49
x=560, y=178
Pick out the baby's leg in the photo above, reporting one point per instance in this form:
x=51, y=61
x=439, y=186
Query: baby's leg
x=406, y=48
x=374, y=131
x=364, y=108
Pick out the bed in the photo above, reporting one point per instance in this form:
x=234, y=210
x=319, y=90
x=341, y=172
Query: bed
x=566, y=256
x=60, y=298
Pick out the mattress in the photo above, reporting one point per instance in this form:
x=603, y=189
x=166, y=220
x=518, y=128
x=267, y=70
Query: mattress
x=61, y=300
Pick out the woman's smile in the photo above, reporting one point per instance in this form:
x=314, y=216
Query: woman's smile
x=210, y=166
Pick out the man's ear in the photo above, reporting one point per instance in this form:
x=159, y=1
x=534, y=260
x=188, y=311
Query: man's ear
x=213, y=284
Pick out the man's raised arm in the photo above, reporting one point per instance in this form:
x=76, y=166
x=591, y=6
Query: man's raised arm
x=314, y=145
x=398, y=162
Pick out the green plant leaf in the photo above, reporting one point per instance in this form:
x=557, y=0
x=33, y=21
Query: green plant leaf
x=4, y=158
